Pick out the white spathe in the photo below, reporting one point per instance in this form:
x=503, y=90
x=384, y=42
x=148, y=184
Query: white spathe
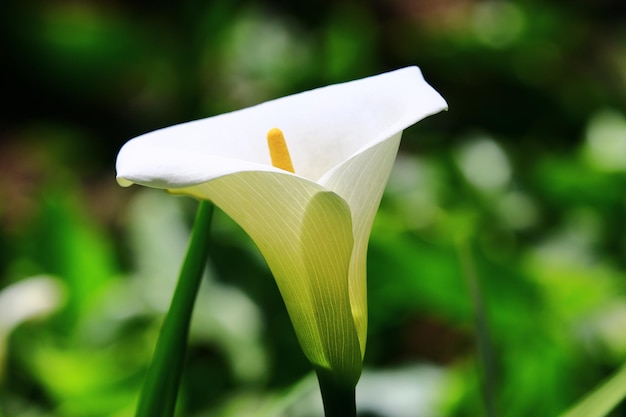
x=313, y=226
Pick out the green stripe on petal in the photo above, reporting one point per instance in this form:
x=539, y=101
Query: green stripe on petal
x=327, y=244
x=361, y=182
x=305, y=234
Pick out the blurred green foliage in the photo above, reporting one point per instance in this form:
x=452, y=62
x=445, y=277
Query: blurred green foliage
x=527, y=169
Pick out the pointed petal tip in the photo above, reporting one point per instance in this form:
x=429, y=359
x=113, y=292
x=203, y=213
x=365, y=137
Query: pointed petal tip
x=124, y=182
x=438, y=102
x=425, y=101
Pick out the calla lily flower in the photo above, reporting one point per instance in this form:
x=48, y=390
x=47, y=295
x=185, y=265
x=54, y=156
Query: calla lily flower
x=312, y=226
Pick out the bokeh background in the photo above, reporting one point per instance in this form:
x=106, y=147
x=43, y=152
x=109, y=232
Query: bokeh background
x=502, y=230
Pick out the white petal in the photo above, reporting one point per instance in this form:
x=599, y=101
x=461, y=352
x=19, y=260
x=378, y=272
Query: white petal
x=146, y=163
x=305, y=234
x=361, y=181
x=323, y=128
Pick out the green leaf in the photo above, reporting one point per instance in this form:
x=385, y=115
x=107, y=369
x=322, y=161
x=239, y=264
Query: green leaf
x=158, y=398
x=603, y=399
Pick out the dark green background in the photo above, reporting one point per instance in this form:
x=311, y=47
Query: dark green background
x=525, y=175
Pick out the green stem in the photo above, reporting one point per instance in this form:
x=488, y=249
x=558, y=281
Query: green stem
x=158, y=397
x=483, y=337
x=339, y=400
